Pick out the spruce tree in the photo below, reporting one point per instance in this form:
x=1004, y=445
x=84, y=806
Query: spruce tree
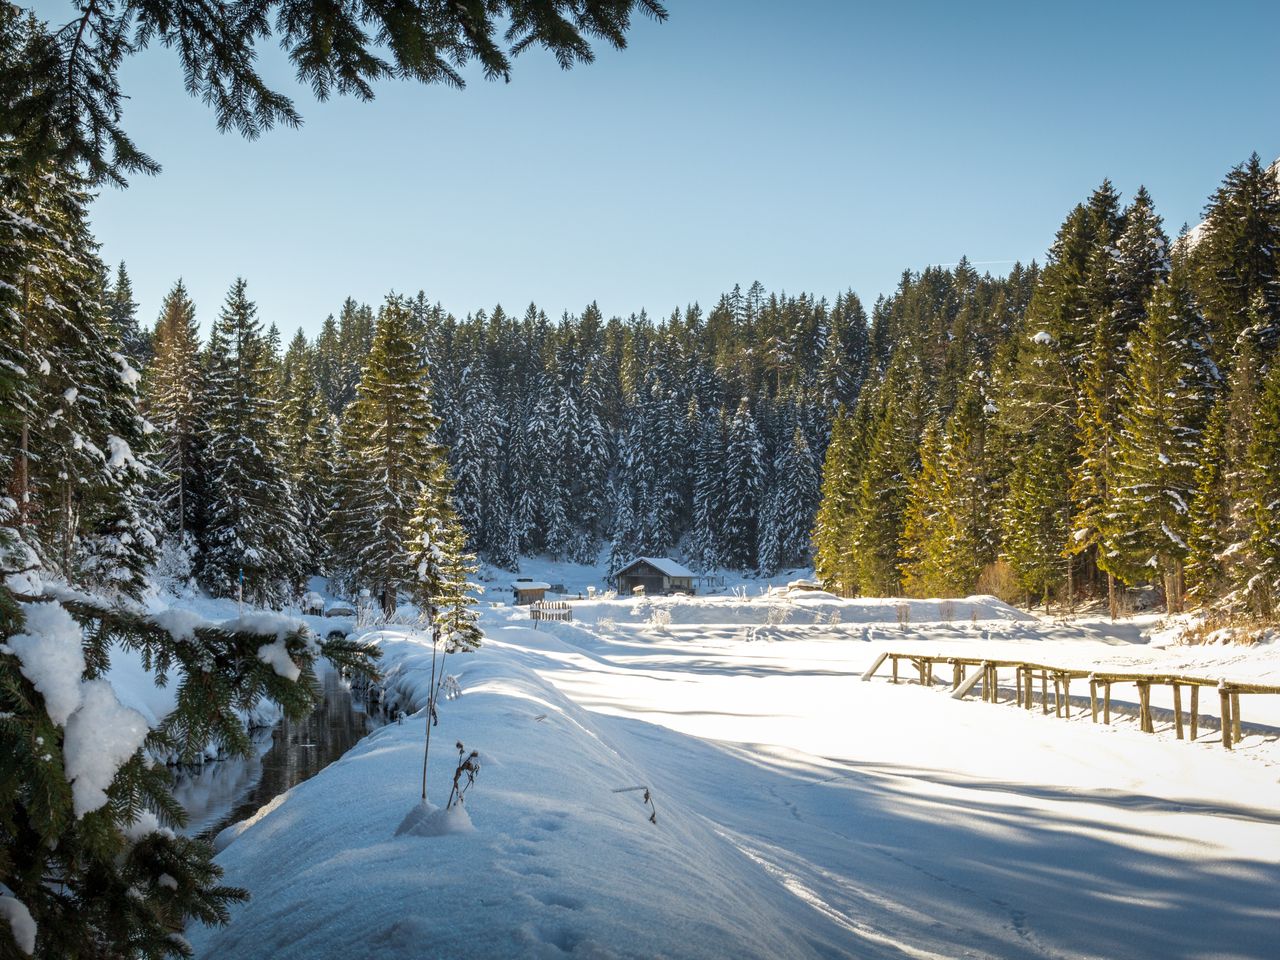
x=252, y=543
x=175, y=399
x=743, y=469
x=1169, y=387
x=389, y=456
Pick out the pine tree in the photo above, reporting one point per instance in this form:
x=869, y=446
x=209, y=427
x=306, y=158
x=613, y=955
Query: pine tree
x=252, y=539
x=1261, y=591
x=743, y=469
x=389, y=456
x=174, y=391
x=122, y=315
x=1168, y=390
x=891, y=463
x=306, y=431
x=437, y=549
x=1236, y=264
x=922, y=573
x=833, y=525
x=1123, y=280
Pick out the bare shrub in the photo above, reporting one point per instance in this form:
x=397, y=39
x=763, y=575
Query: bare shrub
x=947, y=611
x=660, y=618
x=904, y=615
x=607, y=624
x=997, y=580
x=777, y=615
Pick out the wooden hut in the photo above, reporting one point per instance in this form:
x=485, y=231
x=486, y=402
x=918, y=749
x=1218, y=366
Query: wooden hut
x=657, y=575
x=528, y=591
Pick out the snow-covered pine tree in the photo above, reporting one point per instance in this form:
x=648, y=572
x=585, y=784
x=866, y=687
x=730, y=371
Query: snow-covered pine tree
x=884, y=482
x=442, y=565
x=175, y=400
x=742, y=477
x=833, y=525
x=708, y=427
x=1261, y=591
x=306, y=431
x=1236, y=263
x=1036, y=420
x=122, y=317
x=1168, y=388
x=791, y=501
x=252, y=538
x=389, y=455
x=922, y=533
x=1122, y=279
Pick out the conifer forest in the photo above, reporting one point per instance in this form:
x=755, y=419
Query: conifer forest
x=213, y=516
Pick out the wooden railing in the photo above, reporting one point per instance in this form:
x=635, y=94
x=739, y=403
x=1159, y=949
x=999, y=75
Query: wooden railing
x=1025, y=673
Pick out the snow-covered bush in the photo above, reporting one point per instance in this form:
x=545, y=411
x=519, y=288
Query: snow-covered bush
x=777, y=615
x=607, y=624
x=173, y=572
x=660, y=618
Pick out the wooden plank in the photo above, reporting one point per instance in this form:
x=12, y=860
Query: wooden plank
x=1235, y=715
x=1093, y=698
x=1106, y=705
x=1044, y=692
x=1017, y=684
x=895, y=668
x=1066, y=694
x=1195, y=711
x=963, y=690
x=871, y=672
x=1177, y=709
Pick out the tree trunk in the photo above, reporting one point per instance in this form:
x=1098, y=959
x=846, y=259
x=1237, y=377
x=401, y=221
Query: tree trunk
x=1112, y=604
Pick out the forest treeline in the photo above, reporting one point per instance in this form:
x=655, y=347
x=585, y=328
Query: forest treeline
x=1112, y=418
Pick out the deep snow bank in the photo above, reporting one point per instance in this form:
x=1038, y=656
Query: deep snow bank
x=559, y=862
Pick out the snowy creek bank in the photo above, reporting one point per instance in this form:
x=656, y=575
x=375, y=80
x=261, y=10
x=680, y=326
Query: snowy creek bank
x=222, y=792
x=558, y=862
x=800, y=812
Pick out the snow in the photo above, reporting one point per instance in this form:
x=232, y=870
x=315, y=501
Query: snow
x=530, y=585
x=276, y=655
x=70, y=395
x=122, y=455
x=100, y=736
x=1042, y=337
x=180, y=622
x=800, y=811
x=128, y=375
x=425, y=819
x=20, y=921
x=49, y=650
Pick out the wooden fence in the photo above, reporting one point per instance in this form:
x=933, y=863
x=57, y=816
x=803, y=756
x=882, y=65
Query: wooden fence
x=550, y=610
x=987, y=676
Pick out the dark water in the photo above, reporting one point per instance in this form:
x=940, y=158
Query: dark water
x=226, y=791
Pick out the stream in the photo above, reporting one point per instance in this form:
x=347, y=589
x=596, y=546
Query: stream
x=223, y=792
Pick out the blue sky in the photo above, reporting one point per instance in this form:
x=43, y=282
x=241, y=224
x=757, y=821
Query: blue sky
x=811, y=145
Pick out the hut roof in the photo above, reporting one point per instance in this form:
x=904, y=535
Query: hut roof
x=665, y=564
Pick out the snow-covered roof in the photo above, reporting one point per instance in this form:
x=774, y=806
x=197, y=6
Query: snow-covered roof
x=665, y=564
x=530, y=585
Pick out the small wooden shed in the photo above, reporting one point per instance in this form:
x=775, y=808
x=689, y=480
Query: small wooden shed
x=528, y=591
x=658, y=575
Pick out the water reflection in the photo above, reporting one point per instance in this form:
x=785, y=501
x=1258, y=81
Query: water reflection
x=227, y=791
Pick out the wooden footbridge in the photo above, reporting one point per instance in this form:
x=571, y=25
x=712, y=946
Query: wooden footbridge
x=986, y=677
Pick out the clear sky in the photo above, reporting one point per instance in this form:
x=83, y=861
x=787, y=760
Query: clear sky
x=811, y=145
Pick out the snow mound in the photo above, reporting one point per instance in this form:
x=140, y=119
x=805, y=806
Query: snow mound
x=425, y=819
x=101, y=735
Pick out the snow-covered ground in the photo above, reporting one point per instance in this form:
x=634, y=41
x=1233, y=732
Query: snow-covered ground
x=800, y=811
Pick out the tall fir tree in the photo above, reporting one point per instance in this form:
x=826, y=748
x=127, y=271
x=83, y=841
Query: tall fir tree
x=389, y=456
x=252, y=543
